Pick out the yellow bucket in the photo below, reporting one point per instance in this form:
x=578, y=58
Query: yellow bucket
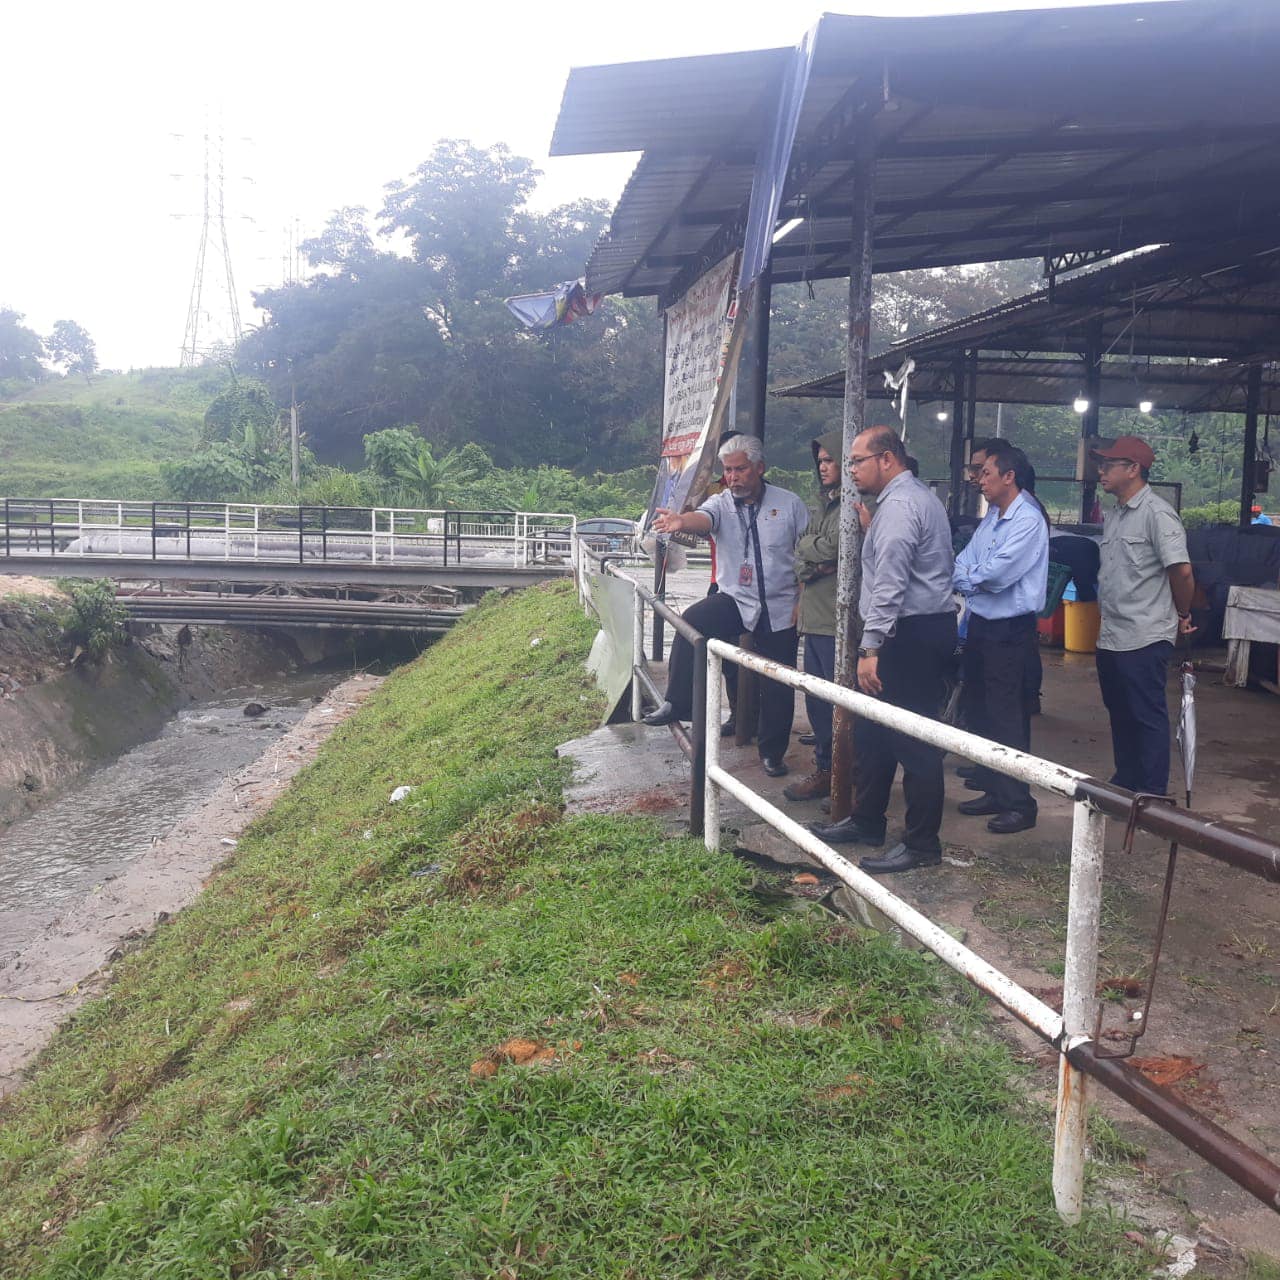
x=1080, y=633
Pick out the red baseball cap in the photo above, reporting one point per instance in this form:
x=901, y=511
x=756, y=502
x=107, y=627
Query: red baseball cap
x=1130, y=448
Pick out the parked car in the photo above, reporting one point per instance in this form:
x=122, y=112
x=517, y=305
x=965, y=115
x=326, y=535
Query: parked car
x=600, y=533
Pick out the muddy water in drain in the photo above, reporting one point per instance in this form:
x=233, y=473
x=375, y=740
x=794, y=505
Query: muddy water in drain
x=105, y=819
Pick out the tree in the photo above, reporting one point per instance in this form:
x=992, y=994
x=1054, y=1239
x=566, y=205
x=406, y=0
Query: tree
x=428, y=481
x=71, y=346
x=378, y=338
x=20, y=349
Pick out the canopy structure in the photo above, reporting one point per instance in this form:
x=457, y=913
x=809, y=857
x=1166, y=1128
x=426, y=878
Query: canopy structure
x=1192, y=330
x=881, y=144
x=1055, y=133
x=1125, y=384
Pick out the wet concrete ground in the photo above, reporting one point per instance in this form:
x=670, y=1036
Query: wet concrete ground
x=1217, y=998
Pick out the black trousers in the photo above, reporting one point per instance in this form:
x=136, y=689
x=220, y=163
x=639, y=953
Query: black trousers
x=998, y=657
x=913, y=664
x=1133, y=688
x=717, y=617
x=820, y=661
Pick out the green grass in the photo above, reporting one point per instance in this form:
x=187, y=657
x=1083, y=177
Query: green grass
x=106, y=439
x=304, y=1073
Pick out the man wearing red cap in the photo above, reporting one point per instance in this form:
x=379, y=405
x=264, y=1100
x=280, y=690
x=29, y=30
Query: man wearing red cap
x=1144, y=595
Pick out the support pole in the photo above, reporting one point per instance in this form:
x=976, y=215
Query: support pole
x=970, y=422
x=958, y=458
x=698, y=735
x=1089, y=422
x=1079, y=999
x=849, y=565
x=637, y=653
x=1253, y=394
x=711, y=749
x=760, y=307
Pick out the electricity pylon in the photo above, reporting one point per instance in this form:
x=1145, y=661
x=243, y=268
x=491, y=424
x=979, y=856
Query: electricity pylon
x=215, y=211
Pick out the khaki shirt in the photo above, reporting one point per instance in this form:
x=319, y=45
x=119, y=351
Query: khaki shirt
x=1141, y=540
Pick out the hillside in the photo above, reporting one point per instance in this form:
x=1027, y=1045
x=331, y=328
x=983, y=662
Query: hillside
x=66, y=439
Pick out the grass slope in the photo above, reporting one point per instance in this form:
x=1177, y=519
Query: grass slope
x=463, y=1036
x=106, y=439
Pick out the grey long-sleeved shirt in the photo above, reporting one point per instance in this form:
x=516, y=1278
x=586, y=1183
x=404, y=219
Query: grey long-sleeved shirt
x=907, y=561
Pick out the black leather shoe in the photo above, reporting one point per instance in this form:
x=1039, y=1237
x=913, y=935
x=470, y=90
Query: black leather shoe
x=847, y=831
x=773, y=767
x=968, y=770
x=728, y=729
x=808, y=739
x=1006, y=824
x=899, y=858
x=979, y=806
x=975, y=784
x=665, y=713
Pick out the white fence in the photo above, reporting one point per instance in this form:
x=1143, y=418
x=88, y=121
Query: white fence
x=1072, y=1032
x=231, y=531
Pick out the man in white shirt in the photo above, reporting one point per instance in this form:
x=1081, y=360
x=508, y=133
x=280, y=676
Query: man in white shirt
x=756, y=526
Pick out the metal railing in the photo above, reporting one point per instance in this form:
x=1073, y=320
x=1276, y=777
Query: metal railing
x=1073, y=1032
x=94, y=528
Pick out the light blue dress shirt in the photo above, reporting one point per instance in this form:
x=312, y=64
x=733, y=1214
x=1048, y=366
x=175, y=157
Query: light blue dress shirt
x=1004, y=571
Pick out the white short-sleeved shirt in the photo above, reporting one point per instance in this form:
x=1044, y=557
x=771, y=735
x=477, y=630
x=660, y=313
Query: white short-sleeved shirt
x=781, y=519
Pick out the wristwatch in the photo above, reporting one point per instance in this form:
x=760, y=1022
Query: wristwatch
x=868, y=653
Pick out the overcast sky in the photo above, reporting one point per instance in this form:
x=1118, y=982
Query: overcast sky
x=319, y=105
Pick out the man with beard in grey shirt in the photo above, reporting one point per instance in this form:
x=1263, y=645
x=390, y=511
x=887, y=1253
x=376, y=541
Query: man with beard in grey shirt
x=908, y=640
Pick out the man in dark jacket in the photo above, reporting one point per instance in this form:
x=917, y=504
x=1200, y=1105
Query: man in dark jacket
x=816, y=554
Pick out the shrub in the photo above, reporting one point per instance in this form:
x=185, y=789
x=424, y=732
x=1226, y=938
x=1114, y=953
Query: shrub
x=92, y=622
x=1212, y=513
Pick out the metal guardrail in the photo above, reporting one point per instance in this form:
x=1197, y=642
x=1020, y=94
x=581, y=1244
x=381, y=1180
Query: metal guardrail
x=86, y=528
x=1072, y=1032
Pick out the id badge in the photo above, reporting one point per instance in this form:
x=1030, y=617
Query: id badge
x=746, y=575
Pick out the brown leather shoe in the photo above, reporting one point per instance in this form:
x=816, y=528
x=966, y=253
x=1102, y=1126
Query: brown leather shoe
x=816, y=784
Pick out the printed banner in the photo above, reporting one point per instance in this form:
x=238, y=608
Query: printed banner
x=699, y=328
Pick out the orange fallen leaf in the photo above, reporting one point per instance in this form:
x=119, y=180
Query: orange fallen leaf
x=483, y=1069
x=518, y=1050
x=628, y=979
x=1167, y=1070
x=805, y=877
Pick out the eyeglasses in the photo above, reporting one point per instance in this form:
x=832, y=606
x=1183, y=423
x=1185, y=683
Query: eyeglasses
x=854, y=463
x=1105, y=463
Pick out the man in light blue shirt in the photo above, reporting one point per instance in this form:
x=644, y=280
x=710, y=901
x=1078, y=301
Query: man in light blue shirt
x=1003, y=574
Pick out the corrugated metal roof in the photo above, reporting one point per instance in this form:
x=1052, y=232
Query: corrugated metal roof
x=1005, y=135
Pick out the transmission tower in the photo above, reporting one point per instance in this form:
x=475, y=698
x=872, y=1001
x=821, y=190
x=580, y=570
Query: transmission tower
x=215, y=212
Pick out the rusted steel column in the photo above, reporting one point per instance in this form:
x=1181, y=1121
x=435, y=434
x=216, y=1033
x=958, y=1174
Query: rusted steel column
x=849, y=566
x=1253, y=394
x=1079, y=998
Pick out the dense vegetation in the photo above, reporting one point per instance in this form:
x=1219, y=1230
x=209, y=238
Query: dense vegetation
x=464, y=1035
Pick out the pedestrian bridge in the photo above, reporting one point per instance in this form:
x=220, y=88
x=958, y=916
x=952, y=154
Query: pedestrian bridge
x=263, y=545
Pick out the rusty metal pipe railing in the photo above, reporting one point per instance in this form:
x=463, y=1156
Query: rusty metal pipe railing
x=1246, y=1167
x=1189, y=829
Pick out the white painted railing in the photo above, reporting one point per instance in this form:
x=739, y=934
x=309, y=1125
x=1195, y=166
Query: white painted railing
x=231, y=531
x=1072, y=1032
